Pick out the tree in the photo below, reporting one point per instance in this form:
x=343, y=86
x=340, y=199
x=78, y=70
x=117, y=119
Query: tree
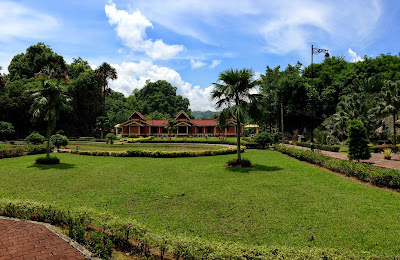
x=222, y=121
x=390, y=102
x=6, y=128
x=170, y=127
x=358, y=141
x=48, y=101
x=35, y=138
x=263, y=139
x=233, y=92
x=104, y=73
x=103, y=123
x=59, y=140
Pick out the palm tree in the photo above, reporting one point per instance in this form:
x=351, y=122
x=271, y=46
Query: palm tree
x=170, y=127
x=48, y=101
x=390, y=102
x=222, y=119
x=233, y=92
x=103, y=74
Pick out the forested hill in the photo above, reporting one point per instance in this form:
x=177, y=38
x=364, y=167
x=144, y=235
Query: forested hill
x=203, y=114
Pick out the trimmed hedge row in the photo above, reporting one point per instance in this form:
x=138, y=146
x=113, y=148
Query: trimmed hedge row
x=331, y=148
x=378, y=176
x=136, y=140
x=158, y=154
x=193, y=141
x=116, y=231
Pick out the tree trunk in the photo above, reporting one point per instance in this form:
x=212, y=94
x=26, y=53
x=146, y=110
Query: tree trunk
x=102, y=133
x=238, y=138
x=48, y=140
x=394, y=129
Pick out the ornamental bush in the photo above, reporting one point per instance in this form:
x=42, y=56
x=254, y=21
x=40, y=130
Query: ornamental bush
x=35, y=138
x=48, y=160
x=263, y=139
x=358, y=141
x=132, y=136
x=110, y=138
x=59, y=140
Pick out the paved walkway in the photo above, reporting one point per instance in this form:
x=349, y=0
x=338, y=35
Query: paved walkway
x=376, y=158
x=26, y=240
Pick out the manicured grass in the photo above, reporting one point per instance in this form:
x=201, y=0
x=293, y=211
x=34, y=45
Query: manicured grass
x=280, y=201
x=139, y=146
x=344, y=149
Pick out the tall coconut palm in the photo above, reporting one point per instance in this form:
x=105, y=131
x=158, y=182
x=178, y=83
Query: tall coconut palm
x=234, y=92
x=103, y=74
x=390, y=102
x=48, y=101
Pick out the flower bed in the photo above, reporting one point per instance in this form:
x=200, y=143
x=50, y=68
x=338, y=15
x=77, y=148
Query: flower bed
x=378, y=176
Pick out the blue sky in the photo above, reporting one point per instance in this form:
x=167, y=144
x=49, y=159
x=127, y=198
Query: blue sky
x=189, y=42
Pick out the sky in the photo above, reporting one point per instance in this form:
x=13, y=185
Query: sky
x=189, y=42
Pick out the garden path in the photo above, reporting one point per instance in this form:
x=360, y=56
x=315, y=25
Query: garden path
x=376, y=158
x=29, y=240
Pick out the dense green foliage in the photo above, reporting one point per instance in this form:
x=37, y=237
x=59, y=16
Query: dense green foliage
x=35, y=138
x=6, y=129
x=331, y=148
x=47, y=160
x=263, y=139
x=59, y=140
x=358, y=141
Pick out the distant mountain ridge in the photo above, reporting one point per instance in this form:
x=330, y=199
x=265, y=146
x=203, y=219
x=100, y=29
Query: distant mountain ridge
x=203, y=114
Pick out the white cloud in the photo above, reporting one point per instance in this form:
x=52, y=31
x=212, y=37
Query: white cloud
x=133, y=75
x=214, y=64
x=20, y=22
x=354, y=57
x=196, y=64
x=131, y=28
x=286, y=25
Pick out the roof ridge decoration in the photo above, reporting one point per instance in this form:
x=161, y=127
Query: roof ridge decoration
x=139, y=114
x=182, y=112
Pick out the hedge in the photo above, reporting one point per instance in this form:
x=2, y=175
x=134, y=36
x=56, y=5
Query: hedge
x=194, y=141
x=159, y=154
x=86, y=138
x=382, y=177
x=116, y=231
x=331, y=148
x=9, y=151
x=136, y=140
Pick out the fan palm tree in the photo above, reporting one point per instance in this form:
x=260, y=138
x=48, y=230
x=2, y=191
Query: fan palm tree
x=48, y=101
x=103, y=74
x=234, y=93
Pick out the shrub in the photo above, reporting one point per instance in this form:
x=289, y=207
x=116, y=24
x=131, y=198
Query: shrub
x=243, y=163
x=378, y=176
x=358, y=141
x=263, y=139
x=36, y=149
x=48, y=160
x=387, y=154
x=111, y=137
x=88, y=139
x=331, y=148
x=132, y=136
x=35, y=138
x=59, y=140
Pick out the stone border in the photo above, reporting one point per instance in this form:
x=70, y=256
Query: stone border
x=81, y=249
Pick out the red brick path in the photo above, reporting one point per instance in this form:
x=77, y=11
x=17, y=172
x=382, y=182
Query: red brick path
x=25, y=240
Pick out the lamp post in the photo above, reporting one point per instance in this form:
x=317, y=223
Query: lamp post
x=314, y=51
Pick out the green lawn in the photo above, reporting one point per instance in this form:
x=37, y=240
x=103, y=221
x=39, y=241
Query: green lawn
x=280, y=201
x=140, y=146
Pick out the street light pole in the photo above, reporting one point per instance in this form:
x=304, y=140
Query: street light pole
x=314, y=51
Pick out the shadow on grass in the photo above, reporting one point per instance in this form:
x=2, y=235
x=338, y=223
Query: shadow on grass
x=60, y=166
x=257, y=167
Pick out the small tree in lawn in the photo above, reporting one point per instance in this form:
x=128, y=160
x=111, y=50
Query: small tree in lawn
x=35, y=138
x=59, y=140
x=358, y=141
x=103, y=123
x=263, y=139
x=110, y=138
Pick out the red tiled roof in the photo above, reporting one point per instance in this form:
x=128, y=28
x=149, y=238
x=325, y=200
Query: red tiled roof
x=157, y=122
x=139, y=114
x=204, y=122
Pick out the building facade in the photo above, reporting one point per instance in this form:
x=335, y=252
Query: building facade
x=184, y=127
